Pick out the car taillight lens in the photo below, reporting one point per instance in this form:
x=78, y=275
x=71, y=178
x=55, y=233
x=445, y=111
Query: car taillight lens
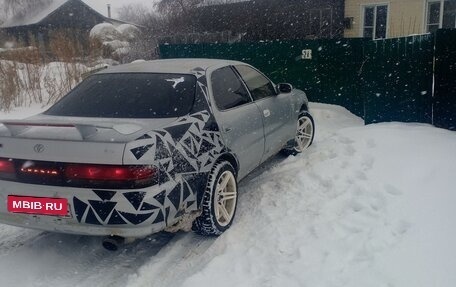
x=109, y=172
x=6, y=166
x=40, y=171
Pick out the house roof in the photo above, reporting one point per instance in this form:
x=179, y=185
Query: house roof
x=38, y=15
x=33, y=17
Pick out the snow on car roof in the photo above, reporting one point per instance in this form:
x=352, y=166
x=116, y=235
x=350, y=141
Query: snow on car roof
x=178, y=66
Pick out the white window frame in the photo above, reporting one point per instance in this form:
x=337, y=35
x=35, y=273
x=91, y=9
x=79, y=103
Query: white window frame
x=426, y=13
x=362, y=13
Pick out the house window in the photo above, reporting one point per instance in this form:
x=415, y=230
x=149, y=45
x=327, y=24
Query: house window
x=440, y=14
x=320, y=22
x=375, y=21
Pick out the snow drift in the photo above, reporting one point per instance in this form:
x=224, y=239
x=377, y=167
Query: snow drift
x=365, y=206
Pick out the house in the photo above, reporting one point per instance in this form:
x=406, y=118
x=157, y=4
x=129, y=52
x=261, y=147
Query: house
x=53, y=16
x=258, y=20
x=378, y=19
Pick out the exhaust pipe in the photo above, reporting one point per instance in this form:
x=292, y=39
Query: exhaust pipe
x=112, y=243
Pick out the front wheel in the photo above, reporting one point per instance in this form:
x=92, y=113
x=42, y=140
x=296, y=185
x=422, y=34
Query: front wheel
x=219, y=201
x=305, y=133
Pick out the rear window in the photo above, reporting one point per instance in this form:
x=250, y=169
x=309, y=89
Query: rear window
x=129, y=96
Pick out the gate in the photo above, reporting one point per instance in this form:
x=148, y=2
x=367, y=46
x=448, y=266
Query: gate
x=396, y=79
x=445, y=80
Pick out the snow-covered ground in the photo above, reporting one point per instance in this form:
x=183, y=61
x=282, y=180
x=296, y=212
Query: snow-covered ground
x=364, y=206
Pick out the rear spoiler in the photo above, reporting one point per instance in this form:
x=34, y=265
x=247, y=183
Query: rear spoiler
x=16, y=128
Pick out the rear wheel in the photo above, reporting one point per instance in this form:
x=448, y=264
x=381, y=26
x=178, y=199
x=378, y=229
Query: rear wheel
x=305, y=133
x=219, y=201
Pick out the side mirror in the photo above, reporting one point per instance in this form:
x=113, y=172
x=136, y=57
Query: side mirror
x=284, y=88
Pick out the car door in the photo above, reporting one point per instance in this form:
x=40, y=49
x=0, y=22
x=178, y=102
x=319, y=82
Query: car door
x=239, y=119
x=276, y=110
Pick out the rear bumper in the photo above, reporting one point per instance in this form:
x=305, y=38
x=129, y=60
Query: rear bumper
x=127, y=213
x=62, y=225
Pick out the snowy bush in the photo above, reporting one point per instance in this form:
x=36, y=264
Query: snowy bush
x=115, y=42
x=117, y=49
x=105, y=32
x=128, y=31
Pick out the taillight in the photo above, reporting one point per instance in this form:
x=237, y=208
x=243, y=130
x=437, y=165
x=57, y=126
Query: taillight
x=108, y=172
x=6, y=165
x=40, y=171
x=78, y=175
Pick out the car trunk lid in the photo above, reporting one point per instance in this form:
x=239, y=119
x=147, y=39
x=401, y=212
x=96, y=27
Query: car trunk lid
x=72, y=140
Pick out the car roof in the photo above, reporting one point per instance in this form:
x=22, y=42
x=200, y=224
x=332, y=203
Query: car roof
x=174, y=66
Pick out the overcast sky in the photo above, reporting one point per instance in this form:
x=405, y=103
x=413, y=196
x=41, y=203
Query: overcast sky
x=101, y=5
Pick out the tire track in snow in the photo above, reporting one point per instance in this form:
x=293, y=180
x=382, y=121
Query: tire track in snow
x=316, y=213
x=14, y=237
x=51, y=259
x=359, y=207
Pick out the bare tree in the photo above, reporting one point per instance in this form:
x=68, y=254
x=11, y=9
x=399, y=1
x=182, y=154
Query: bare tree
x=21, y=8
x=175, y=8
x=144, y=45
x=136, y=13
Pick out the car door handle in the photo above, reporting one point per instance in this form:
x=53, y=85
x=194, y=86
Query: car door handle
x=266, y=113
x=227, y=130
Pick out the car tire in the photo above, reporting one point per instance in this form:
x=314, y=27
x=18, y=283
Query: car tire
x=219, y=202
x=305, y=133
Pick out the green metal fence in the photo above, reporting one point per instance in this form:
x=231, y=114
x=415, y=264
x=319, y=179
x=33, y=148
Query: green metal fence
x=383, y=80
x=445, y=80
x=327, y=77
x=396, y=79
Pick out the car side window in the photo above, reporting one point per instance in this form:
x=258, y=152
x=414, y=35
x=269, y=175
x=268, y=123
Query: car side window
x=228, y=90
x=260, y=87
